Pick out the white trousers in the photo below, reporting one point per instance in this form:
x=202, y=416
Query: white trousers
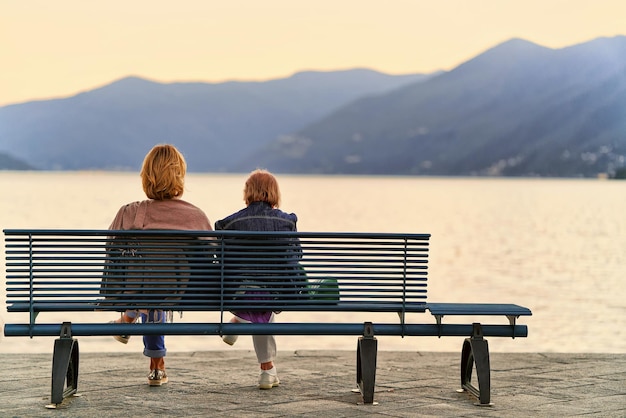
x=264, y=345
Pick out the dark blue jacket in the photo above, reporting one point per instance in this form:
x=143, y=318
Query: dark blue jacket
x=259, y=216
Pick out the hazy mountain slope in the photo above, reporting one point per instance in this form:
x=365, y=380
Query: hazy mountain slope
x=517, y=109
x=9, y=163
x=213, y=124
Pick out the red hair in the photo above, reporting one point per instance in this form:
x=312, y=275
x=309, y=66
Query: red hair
x=261, y=186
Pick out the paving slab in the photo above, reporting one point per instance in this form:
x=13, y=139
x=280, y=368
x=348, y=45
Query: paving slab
x=318, y=383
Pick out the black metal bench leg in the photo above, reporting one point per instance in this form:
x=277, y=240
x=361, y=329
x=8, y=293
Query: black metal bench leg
x=366, y=352
x=476, y=351
x=64, y=366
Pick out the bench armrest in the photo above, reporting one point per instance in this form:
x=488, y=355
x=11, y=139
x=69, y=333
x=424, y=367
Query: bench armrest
x=506, y=309
x=511, y=311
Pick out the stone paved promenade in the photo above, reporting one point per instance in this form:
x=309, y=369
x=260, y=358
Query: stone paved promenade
x=319, y=384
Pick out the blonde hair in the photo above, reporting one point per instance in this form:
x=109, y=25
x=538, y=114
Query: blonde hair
x=163, y=173
x=261, y=186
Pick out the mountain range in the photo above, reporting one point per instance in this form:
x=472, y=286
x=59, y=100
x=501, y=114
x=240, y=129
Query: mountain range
x=214, y=125
x=517, y=109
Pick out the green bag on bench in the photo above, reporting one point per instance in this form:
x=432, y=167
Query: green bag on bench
x=325, y=289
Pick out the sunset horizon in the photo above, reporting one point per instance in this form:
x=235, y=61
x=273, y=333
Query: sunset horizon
x=55, y=50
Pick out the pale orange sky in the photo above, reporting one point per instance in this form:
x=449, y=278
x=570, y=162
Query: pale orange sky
x=59, y=48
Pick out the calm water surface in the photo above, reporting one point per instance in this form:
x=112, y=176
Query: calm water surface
x=557, y=246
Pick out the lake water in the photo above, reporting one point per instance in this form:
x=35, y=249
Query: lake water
x=557, y=246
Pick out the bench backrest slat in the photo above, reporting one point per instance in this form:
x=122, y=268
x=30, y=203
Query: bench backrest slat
x=214, y=270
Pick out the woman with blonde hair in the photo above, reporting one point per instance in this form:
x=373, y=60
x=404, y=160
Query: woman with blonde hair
x=163, y=180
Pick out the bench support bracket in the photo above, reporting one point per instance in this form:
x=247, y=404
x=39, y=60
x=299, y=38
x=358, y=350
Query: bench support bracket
x=476, y=351
x=64, y=366
x=366, y=363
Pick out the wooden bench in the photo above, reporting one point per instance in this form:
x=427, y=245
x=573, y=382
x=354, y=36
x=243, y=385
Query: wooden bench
x=76, y=272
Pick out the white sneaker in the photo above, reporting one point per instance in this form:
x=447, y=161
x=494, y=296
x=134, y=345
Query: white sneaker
x=230, y=339
x=268, y=380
